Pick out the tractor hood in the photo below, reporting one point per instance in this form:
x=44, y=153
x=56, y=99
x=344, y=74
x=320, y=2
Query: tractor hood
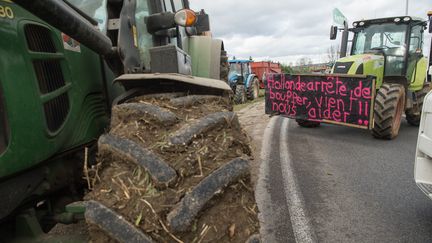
x=362, y=64
x=233, y=78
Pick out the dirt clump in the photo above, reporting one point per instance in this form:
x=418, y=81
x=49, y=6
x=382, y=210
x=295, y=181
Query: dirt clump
x=124, y=183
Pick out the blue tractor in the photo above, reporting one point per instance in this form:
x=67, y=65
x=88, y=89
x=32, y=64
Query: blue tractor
x=243, y=82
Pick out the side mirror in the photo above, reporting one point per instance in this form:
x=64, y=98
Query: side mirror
x=202, y=25
x=160, y=22
x=203, y=22
x=333, y=32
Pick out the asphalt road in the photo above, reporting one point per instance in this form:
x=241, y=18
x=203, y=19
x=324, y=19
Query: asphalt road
x=338, y=184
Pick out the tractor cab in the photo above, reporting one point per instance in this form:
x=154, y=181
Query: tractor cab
x=243, y=81
x=239, y=71
x=388, y=48
x=398, y=40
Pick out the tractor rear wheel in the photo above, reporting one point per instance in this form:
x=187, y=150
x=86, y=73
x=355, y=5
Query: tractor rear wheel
x=253, y=90
x=173, y=169
x=240, y=95
x=413, y=115
x=307, y=124
x=389, y=106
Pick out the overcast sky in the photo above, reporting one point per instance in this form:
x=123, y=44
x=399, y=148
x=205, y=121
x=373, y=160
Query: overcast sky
x=286, y=30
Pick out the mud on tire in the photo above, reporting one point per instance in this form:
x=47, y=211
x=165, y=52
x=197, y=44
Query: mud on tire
x=173, y=169
x=389, y=106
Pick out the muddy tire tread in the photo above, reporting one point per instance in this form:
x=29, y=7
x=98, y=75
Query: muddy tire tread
x=152, y=112
x=116, y=226
x=188, y=101
x=183, y=214
x=240, y=94
x=186, y=134
x=161, y=173
x=385, y=110
x=183, y=132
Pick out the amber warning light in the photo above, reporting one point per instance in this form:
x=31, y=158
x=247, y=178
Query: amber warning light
x=185, y=17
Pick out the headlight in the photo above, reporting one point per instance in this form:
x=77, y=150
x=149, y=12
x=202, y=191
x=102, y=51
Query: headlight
x=362, y=23
x=406, y=19
x=397, y=20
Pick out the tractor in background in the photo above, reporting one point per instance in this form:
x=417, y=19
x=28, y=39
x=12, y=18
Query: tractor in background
x=391, y=49
x=243, y=82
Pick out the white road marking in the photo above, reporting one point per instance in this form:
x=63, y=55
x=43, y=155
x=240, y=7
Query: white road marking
x=262, y=195
x=303, y=231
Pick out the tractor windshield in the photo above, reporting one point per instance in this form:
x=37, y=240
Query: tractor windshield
x=235, y=68
x=388, y=39
x=95, y=9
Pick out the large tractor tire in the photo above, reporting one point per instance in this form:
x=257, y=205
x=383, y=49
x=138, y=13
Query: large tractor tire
x=173, y=169
x=307, y=124
x=253, y=90
x=389, y=106
x=413, y=115
x=240, y=96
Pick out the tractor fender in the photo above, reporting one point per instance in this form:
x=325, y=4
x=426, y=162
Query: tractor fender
x=151, y=83
x=205, y=53
x=249, y=80
x=417, y=80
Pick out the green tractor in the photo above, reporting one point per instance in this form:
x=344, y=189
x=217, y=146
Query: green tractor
x=72, y=72
x=391, y=49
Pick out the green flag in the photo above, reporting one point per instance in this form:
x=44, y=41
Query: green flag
x=338, y=17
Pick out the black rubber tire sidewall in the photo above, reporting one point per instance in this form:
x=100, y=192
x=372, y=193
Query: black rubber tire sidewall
x=240, y=94
x=386, y=110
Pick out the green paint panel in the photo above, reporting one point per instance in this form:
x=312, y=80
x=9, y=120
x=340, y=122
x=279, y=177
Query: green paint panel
x=205, y=54
x=419, y=75
x=74, y=104
x=372, y=65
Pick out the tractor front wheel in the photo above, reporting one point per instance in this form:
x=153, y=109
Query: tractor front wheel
x=307, y=124
x=240, y=94
x=389, y=106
